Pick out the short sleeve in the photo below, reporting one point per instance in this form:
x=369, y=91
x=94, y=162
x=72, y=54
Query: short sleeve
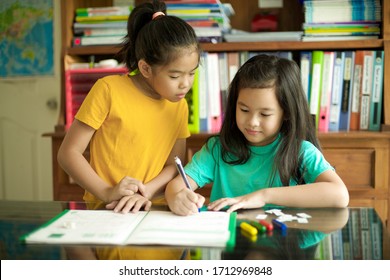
x=314, y=162
x=96, y=106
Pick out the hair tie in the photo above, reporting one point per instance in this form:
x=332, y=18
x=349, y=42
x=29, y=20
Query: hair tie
x=156, y=14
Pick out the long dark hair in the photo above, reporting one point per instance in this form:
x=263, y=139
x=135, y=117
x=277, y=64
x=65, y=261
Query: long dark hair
x=265, y=71
x=157, y=40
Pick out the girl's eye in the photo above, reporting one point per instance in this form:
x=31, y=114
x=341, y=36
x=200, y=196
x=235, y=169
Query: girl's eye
x=174, y=77
x=244, y=110
x=266, y=115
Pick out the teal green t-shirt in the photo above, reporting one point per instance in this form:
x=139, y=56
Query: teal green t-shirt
x=229, y=180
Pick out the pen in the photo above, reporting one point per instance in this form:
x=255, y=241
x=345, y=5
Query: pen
x=180, y=168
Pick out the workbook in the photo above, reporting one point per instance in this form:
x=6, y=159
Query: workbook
x=204, y=229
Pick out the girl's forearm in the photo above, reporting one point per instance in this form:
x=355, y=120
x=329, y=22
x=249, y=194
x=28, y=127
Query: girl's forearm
x=321, y=194
x=157, y=186
x=76, y=166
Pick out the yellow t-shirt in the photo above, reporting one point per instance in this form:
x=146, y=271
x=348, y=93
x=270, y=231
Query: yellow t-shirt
x=134, y=133
x=134, y=137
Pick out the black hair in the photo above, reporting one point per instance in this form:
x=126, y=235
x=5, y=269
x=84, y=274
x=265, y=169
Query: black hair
x=157, y=40
x=265, y=71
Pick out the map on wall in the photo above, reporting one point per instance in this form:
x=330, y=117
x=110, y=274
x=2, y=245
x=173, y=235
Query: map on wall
x=26, y=38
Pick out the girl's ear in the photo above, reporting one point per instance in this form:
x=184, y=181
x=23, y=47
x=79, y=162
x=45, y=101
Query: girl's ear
x=144, y=68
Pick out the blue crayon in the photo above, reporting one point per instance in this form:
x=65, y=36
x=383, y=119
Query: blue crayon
x=279, y=225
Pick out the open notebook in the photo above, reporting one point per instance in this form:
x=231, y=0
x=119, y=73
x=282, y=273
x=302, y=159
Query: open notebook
x=205, y=229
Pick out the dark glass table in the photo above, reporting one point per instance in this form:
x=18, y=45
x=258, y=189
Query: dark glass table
x=349, y=233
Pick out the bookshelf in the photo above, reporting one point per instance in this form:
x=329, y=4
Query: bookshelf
x=361, y=158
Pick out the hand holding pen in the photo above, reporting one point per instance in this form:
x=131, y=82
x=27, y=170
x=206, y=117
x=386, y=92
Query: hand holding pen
x=180, y=169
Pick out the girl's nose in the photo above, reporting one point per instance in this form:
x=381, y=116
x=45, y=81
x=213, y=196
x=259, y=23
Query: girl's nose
x=254, y=121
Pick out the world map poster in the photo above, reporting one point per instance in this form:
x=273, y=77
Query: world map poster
x=26, y=38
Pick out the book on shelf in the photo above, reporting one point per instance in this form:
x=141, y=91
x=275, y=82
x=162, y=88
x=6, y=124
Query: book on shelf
x=192, y=98
x=366, y=89
x=203, y=97
x=243, y=36
x=223, y=79
x=79, y=26
x=345, y=108
x=88, y=32
x=356, y=88
x=305, y=66
x=337, y=90
x=101, y=18
x=97, y=40
x=213, y=92
x=315, y=89
x=342, y=11
x=233, y=60
x=326, y=91
x=377, y=92
x=205, y=229
x=338, y=38
x=103, y=11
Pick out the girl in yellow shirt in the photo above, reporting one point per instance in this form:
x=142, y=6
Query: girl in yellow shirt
x=135, y=124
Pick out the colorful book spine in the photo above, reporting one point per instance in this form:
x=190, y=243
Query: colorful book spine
x=326, y=91
x=356, y=89
x=97, y=40
x=337, y=90
x=203, y=100
x=305, y=66
x=223, y=79
x=345, y=109
x=233, y=64
x=315, y=89
x=192, y=98
x=377, y=93
x=214, y=92
x=366, y=89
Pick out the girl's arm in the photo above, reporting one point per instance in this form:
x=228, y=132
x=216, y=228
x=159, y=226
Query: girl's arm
x=70, y=157
x=327, y=191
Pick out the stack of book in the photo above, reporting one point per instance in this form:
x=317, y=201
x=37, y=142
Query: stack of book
x=209, y=18
x=100, y=25
x=341, y=20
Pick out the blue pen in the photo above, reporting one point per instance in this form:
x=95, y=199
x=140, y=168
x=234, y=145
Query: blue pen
x=279, y=225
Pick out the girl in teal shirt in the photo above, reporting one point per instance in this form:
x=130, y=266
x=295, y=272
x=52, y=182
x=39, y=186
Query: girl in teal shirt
x=267, y=151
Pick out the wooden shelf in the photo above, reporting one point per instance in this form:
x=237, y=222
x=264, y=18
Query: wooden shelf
x=247, y=46
x=361, y=158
